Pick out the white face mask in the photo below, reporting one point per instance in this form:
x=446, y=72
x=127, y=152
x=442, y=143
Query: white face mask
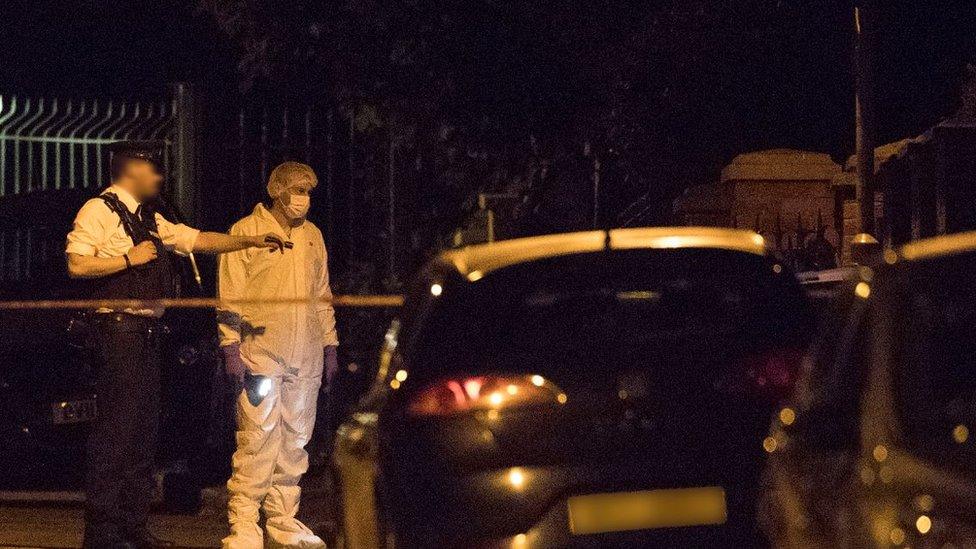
x=297, y=206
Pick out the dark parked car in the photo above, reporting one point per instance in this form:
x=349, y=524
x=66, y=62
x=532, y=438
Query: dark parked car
x=598, y=389
x=875, y=448
x=47, y=395
x=822, y=287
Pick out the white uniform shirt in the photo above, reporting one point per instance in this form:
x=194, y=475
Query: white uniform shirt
x=98, y=232
x=285, y=334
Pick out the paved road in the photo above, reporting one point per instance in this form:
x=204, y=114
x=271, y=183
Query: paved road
x=60, y=523
x=48, y=519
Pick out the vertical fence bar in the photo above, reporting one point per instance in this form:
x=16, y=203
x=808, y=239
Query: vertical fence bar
x=14, y=126
x=83, y=147
x=27, y=106
x=29, y=182
x=98, y=128
x=43, y=143
x=184, y=158
x=98, y=180
x=57, y=147
x=163, y=129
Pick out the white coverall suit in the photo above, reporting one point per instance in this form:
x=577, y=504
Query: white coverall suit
x=285, y=343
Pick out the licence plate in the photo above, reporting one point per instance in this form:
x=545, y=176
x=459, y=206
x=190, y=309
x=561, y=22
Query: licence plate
x=617, y=512
x=73, y=411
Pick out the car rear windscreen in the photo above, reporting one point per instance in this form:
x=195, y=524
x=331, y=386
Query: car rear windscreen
x=577, y=319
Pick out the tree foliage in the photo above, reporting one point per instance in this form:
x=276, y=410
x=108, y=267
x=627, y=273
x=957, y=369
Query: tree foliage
x=538, y=98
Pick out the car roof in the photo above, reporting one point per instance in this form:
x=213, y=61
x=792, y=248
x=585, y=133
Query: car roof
x=475, y=261
x=940, y=246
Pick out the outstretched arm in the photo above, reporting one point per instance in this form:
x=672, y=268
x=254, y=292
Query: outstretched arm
x=184, y=239
x=218, y=243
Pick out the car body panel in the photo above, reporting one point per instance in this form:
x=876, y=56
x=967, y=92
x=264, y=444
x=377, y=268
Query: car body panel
x=846, y=470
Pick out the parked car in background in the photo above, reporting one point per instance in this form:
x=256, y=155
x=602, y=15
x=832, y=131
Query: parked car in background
x=822, y=287
x=597, y=389
x=875, y=447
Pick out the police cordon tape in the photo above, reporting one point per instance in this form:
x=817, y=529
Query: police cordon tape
x=379, y=300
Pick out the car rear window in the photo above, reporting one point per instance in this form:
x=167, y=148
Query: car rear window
x=935, y=359
x=576, y=317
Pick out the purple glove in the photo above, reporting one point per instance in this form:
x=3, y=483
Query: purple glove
x=331, y=363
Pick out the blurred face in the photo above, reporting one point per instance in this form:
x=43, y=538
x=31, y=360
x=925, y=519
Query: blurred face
x=142, y=179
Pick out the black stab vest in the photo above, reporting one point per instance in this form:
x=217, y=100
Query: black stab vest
x=154, y=280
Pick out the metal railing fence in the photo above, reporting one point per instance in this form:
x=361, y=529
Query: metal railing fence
x=53, y=143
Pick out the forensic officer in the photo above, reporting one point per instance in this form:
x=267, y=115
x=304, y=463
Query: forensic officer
x=123, y=246
x=288, y=346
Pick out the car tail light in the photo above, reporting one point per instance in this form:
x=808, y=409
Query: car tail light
x=488, y=392
x=774, y=372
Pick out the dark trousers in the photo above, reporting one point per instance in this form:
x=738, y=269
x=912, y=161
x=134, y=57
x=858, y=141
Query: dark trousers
x=122, y=444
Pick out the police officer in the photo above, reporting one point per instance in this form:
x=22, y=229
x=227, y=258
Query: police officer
x=123, y=247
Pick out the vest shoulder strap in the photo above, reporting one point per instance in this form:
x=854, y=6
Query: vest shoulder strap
x=130, y=223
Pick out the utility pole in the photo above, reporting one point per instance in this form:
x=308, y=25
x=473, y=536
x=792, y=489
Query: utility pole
x=865, y=33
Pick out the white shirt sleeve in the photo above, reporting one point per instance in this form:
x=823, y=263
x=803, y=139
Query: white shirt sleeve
x=176, y=236
x=91, y=228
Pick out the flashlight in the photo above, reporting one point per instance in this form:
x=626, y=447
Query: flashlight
x=257, y=387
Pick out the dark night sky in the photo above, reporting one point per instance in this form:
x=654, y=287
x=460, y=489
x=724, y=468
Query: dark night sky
x=799, y=94
x=98, y=47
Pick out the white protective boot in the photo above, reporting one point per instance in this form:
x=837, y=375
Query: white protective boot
x=289, y=532
x=244, y=535
x=284, y=529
